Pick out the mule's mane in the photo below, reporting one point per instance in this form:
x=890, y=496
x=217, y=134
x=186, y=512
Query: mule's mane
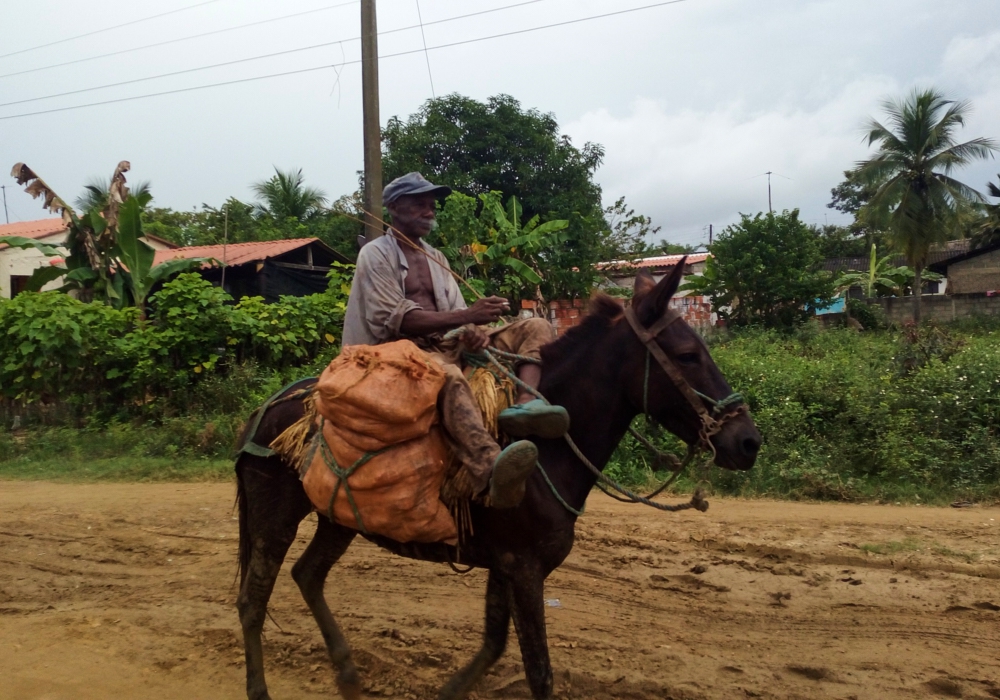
x=601, y=315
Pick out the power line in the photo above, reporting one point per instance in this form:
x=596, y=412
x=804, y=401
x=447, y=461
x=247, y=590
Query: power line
x=426, y=55
x=265, y=56
x=345, y=63
x=179, y=39
x=108, y=29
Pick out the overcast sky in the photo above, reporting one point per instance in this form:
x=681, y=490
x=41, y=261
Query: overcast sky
x=693, y=101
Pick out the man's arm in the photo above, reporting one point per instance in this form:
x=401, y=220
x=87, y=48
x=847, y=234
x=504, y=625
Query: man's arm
x=419, y=322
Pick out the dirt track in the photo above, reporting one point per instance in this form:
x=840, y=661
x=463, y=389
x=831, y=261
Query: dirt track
x=124, y=591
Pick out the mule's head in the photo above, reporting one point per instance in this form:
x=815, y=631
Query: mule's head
x=737, y=443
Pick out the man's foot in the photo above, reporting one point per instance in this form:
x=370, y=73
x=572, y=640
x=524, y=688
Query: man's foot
x=510, y=471
x=534, y=418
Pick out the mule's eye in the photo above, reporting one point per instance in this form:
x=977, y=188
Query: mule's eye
x=689, y=358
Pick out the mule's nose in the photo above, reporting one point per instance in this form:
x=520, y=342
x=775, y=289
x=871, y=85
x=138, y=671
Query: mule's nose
x=750, y=446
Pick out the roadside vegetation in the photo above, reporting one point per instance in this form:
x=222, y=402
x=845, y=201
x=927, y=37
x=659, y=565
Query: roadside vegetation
x=905, y=415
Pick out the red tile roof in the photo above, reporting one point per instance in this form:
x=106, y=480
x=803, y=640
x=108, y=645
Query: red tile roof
x=32, y=229
x=234, y=253
x=656, y=261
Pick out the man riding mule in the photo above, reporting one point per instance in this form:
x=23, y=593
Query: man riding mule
x=403, y=288
x=617, y=364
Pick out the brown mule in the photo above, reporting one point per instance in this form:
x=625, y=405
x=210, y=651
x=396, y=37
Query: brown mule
x=597, y=371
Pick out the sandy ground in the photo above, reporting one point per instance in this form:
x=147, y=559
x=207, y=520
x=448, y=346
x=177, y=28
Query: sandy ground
x=125, y=591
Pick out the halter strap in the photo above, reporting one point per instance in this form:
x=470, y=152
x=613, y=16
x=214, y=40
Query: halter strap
x=648, y=338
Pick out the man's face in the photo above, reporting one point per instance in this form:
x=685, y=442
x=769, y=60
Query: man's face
x=414, y=214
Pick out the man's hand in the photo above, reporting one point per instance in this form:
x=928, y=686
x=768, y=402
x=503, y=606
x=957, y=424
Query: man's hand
x=474, y=338
x=488, y=310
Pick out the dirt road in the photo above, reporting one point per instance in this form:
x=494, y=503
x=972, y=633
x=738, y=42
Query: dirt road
x=125, y=591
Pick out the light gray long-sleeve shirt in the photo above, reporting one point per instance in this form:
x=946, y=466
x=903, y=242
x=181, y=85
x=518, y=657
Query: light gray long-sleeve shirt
x=378, y=302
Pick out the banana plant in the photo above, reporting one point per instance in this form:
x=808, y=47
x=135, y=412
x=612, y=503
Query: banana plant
x=881, y=276
x=106, y=255
x=515, y=246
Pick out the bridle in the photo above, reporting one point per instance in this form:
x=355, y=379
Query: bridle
x=722, y=411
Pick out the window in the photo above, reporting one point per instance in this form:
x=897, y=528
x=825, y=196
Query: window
x=18, y=283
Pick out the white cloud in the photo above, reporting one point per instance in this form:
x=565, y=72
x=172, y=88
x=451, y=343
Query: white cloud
x=688, y=168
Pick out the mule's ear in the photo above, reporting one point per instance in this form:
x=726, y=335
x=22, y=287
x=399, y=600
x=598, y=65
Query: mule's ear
x=654, y=304
x=644, y=284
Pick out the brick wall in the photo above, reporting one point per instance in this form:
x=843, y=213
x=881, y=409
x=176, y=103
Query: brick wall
x=975, y=275
x=941, y=309
x=565, y=314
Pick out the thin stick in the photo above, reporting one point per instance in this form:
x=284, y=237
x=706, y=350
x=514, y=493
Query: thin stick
x=402, y=238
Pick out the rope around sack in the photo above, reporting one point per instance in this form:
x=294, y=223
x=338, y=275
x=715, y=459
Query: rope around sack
x=697, y=501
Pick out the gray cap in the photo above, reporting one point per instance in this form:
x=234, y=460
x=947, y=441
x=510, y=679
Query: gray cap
x=412, y=183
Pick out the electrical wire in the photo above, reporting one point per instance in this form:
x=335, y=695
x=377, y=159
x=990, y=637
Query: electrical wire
x=259, y=22
x=427, y=56
x=108, y=29
x=345, y=63
x=180, y=39
x=262, y=57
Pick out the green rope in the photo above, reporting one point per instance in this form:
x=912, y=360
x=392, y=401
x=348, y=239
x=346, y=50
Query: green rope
x=696, y=500
x=342, y=476
x=555, y=492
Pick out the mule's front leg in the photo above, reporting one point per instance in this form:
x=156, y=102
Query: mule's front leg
x=327, y=546
x=527, y=589
x=494, y=640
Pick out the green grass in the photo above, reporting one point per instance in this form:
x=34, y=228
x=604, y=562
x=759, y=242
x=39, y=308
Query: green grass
x=181, y=449
x=136, y=469
x=910, y=544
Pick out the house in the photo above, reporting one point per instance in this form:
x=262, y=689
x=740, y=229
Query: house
x=971, y=272
x=938, y=254
x=17, y=265
x=270, y=269
x=622, y=273
x=696, y=310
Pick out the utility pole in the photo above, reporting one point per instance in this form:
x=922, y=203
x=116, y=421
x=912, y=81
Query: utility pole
x=372, y=128
x=770, y=210
x=3, y=188
x=710, y=234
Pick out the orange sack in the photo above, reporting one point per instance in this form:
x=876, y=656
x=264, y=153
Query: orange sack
x=382, y=399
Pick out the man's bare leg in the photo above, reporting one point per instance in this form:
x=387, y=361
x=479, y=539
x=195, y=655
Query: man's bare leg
x=531, y=375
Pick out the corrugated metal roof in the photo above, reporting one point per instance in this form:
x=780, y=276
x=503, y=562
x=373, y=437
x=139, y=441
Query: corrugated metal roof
x=656, y=261
x=235, y=253
x=32, y=229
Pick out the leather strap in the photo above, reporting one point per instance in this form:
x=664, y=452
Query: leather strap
x=648, y=338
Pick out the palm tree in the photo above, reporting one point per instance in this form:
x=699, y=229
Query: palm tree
x=916, y=196
x=284, y=196
x=988, y=229
x=96, y=192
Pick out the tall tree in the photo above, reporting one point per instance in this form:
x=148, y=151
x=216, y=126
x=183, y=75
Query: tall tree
x=916, y=197
x=499, y=146
x=285, y=196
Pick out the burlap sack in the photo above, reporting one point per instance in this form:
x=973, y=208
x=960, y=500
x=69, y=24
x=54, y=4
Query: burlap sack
x=375, y=398
x=384, y=394
x=397, y=493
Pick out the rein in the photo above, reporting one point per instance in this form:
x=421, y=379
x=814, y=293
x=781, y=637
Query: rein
x=711, y=422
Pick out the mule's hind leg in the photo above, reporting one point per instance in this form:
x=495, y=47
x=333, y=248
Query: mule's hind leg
x=494, y=640
x=271, y=507
x=327, y=546
x=529, y=622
